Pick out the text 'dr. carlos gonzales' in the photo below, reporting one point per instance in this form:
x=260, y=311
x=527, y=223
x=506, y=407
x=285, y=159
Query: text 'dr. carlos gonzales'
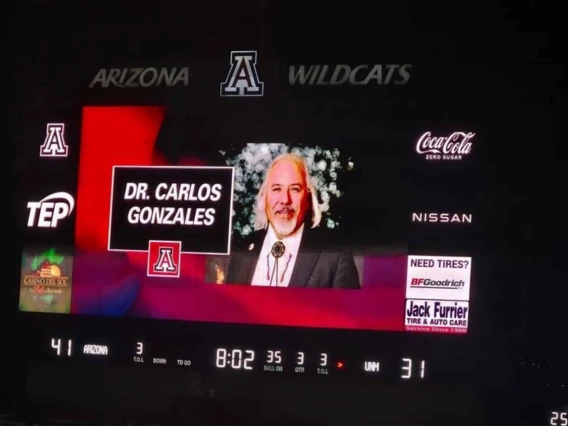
x=192, y=205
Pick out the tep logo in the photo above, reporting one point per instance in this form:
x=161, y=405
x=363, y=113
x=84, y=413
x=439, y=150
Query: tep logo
x=445, y=284
x=164, y=259
x=54, y=144
x=243, y=78
x=47, y=212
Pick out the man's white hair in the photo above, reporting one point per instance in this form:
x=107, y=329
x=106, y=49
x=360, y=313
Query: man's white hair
x=261, y=219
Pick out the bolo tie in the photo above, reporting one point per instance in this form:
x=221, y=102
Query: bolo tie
x=277, y=250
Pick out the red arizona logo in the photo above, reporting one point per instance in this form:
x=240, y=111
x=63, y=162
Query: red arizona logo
x=164, y=259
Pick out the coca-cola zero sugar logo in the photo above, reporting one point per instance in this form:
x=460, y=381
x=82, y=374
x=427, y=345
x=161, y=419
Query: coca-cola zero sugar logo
x=452, y=147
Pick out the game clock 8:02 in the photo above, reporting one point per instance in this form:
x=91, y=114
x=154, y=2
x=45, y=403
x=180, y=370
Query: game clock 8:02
x=237, y=359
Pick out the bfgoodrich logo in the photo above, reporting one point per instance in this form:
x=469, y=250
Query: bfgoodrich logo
x=360, y=75
x=442, y=218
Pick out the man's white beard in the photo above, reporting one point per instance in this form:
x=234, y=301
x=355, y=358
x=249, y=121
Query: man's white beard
x=284, y=227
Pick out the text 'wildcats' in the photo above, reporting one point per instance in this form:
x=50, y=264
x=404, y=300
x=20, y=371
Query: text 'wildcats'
x=361, y=75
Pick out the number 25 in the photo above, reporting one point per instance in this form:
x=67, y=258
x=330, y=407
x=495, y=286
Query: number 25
x=559, y=419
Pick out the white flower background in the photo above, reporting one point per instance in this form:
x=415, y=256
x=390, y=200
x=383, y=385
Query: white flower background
x=252, y=162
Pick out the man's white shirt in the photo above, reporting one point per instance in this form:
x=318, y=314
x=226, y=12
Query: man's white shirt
x=265, y=273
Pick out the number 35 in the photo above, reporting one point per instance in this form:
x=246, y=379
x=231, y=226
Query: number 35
x=558, y=419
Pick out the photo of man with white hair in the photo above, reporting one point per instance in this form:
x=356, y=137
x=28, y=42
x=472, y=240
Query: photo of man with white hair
x=288, y=248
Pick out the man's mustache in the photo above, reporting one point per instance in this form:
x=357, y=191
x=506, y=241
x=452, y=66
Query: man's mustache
x=285, y=210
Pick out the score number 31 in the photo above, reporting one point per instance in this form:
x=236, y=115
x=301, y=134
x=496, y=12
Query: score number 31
x=407, y=368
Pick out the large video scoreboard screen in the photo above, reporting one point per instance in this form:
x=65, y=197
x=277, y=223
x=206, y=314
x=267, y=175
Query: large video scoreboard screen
x=268, y=194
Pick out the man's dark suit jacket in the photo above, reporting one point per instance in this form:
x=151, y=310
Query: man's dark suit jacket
x=319, y=263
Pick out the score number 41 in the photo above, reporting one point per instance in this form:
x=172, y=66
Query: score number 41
x=57, y=344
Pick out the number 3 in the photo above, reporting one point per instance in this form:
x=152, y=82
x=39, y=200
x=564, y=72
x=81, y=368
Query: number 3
x=407, y=368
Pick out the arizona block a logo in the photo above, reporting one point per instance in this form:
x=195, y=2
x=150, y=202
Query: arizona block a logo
x=54, y=144
x=243, y=77
x=164, y=259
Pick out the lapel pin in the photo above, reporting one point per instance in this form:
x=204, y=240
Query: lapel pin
x=251, y=247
